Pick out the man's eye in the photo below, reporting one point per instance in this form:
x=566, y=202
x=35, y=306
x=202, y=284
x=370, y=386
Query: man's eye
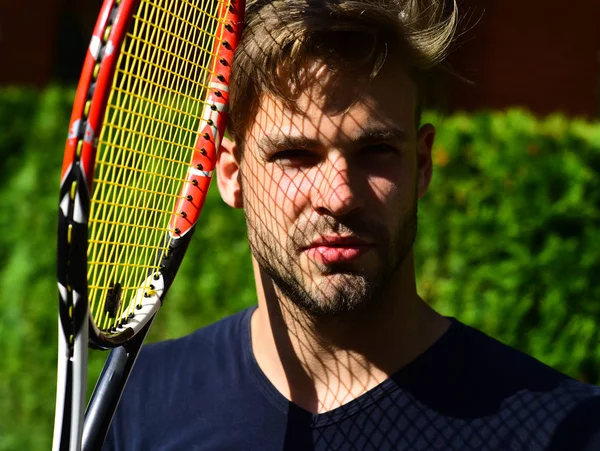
x=294, y=157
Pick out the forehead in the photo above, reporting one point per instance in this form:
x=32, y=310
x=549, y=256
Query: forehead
x=334, y=109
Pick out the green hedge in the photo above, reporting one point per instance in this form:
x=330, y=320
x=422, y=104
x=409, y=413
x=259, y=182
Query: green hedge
x=510, y=233
x=509, y=241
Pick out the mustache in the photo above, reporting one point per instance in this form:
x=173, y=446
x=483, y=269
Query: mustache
x=356, y=226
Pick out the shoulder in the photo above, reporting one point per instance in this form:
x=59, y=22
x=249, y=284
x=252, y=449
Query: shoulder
x=489, y=359
x=535, y=401
x=172, y=378
x=190, y=362
x=500, y=367
x=200, y=346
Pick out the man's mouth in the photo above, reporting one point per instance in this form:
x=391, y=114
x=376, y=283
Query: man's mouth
x=337, y=249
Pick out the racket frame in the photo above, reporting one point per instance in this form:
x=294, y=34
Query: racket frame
x=77, y=329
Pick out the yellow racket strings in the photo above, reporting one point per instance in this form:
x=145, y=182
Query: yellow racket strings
x=145, y=147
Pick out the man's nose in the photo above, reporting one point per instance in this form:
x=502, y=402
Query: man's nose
x=337, y=188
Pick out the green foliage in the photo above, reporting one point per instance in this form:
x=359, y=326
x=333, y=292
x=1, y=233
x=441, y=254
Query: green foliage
x=509, y=233
x=509, y=241
x=35, y=128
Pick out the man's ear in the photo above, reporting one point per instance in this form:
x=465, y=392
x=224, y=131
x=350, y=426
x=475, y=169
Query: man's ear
x=228, y=174
x=425, y=139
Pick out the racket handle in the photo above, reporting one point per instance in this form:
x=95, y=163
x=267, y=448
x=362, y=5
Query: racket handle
x=108, y=390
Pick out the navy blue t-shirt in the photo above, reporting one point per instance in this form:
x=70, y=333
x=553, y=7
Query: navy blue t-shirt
x=467, y=392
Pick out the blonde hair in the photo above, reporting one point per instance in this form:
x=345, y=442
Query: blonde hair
x=282, y=37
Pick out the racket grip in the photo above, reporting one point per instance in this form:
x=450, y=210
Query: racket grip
x=108, y=390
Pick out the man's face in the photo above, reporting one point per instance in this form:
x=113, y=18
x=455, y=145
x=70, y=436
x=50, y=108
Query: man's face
x=330, y=190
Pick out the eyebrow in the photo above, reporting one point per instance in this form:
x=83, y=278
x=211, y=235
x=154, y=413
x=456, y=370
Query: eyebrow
x=271, y=143
x=378, y=135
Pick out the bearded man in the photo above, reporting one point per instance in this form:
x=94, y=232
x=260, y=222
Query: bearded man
x=329, y=160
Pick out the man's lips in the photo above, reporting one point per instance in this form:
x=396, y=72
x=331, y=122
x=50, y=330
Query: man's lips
x=337, y=249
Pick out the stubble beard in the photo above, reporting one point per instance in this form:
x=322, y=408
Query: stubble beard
x=347, y=289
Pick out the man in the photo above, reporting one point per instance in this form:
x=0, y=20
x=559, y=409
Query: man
x=328, y=163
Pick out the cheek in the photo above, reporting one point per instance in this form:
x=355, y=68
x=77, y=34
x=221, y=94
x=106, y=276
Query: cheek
x=392, y=196
x=276, y=198
x=393, y=176
x=290, y=196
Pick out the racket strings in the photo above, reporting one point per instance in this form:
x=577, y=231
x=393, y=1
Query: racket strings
x=130, y=149
x=173, y=109
x=145, y=148
x=184, y=21
x=143, y=236
x=123, y=167
x=148, y=117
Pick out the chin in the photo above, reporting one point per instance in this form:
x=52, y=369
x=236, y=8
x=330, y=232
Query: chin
x=337, y=295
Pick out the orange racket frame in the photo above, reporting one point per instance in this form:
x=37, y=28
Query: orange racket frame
x=76, y=327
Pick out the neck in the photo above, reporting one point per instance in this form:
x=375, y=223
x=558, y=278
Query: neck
x=323, y=363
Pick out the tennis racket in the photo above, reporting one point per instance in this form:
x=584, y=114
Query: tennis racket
x=147, y=122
